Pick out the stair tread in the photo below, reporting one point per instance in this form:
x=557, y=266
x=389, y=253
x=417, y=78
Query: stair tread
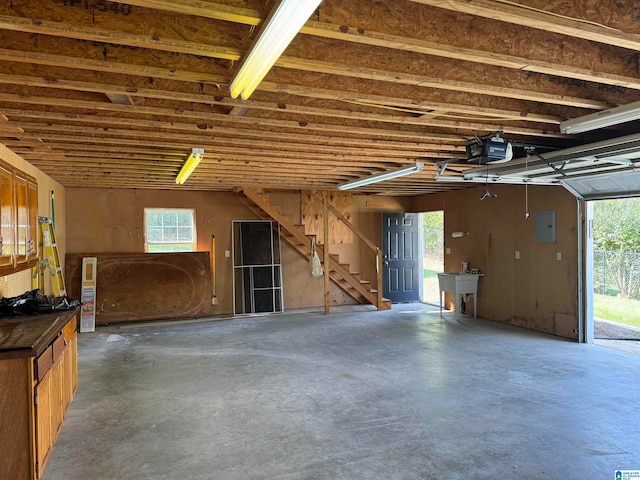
x=296, y=236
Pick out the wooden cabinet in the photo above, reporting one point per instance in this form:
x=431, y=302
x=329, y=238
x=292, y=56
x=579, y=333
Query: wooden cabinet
x=39, y=376
x=70, y=364
x=6, y=218
x=19, y=217
x=32, y=218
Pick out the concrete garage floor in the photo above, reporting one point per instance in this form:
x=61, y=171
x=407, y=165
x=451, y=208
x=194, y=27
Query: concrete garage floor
x=359, y=394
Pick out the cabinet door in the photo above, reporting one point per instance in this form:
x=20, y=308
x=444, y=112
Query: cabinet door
x=16, y=462
x=69, y=372
x=22, y=219
x=70, y=376
x=57, y=398
x=44, y=434
x=49, y=414
x=32, y=208
x=6, y=218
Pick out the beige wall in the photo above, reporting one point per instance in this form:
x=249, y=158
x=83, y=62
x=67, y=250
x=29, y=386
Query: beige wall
x=18, y=283
x=111, y=220
x=537, y=291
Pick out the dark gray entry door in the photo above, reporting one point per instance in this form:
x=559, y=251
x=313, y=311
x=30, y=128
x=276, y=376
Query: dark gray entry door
x=400, y=252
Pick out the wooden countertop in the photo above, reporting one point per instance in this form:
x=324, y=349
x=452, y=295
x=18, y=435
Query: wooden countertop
x=29, y=335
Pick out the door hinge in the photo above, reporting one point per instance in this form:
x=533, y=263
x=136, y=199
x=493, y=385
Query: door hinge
x=37, y=470
x=35, y=399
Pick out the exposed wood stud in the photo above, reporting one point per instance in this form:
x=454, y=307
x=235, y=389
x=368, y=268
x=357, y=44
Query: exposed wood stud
x=116, y=97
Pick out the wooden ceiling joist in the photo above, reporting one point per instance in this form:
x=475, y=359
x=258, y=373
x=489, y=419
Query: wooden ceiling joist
x=563, y=23
x=117, y=97
x=423, y=120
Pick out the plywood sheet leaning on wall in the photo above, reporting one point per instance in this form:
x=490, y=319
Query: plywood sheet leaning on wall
x=153, y=286
x=312, y=216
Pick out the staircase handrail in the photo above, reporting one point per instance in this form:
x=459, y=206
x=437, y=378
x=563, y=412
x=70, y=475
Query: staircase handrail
x=365, y=240
x=350, y=225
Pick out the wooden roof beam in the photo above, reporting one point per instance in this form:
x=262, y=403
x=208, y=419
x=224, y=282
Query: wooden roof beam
x=374, y=101
x=546, y=21
x=34, y=128
x=394, y=119
x=246, y=122
x=485, y=8
x=212, y=51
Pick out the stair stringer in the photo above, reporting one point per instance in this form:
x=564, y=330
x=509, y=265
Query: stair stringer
x=294, y=234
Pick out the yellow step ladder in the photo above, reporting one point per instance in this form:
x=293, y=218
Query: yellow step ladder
x=50, y=259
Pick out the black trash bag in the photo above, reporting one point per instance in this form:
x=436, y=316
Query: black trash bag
x=34, y=303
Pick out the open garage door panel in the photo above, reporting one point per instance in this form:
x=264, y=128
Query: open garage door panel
x=607, y=185
x=606, y=169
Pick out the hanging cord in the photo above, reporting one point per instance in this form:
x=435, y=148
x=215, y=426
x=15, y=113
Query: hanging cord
x=487, y=192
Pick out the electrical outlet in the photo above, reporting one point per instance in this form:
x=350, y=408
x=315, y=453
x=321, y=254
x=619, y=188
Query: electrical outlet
x=517, y=254
x=558, y=255
x=447, y=251
x=227, y=253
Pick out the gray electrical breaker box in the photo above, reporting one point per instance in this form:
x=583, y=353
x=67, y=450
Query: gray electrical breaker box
x=546, y=227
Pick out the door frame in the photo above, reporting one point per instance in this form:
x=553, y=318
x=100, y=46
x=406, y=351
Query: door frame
x=417, y=258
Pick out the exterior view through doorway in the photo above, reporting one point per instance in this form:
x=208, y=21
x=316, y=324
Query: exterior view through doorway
x=614, y=268
x=432, y=254
x=413, y=255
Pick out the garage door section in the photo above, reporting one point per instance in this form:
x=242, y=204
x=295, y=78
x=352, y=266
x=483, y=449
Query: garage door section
x=608, y=185
x=605, y=169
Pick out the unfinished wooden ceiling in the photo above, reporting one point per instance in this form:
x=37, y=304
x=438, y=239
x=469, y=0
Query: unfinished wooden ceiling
x=116, y=94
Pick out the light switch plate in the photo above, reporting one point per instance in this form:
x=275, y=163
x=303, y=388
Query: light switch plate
x=517, y=255
x=227, y=253
x=447, y=251
x=558, y=255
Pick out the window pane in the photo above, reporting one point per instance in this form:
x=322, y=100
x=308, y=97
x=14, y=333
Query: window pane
x=170, y=219
x=154, y=234
x=185, y=219
x=169, y=234
x=154, y=219
x=170, y=247
x=170, y=230
x=185, y=234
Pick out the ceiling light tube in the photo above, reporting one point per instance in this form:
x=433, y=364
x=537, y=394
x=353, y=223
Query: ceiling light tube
x=605, y=118
x=380, y=177
x=284, y=22
x=190, y=165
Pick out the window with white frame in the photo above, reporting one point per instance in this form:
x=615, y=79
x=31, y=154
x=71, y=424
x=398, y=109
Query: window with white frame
x=170, y=230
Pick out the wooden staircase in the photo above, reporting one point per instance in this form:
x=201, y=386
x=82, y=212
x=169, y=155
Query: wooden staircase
x=361, y=290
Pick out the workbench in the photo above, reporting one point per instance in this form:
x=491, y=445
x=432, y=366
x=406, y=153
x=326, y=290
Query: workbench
x=38, y=379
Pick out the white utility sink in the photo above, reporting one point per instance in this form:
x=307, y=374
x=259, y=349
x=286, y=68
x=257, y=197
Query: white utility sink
x=459, y=283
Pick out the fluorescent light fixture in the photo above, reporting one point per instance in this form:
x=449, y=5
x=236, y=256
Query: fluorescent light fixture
x=605, y=118
x=380, y=177
x=190, y=165
x=282, y=25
